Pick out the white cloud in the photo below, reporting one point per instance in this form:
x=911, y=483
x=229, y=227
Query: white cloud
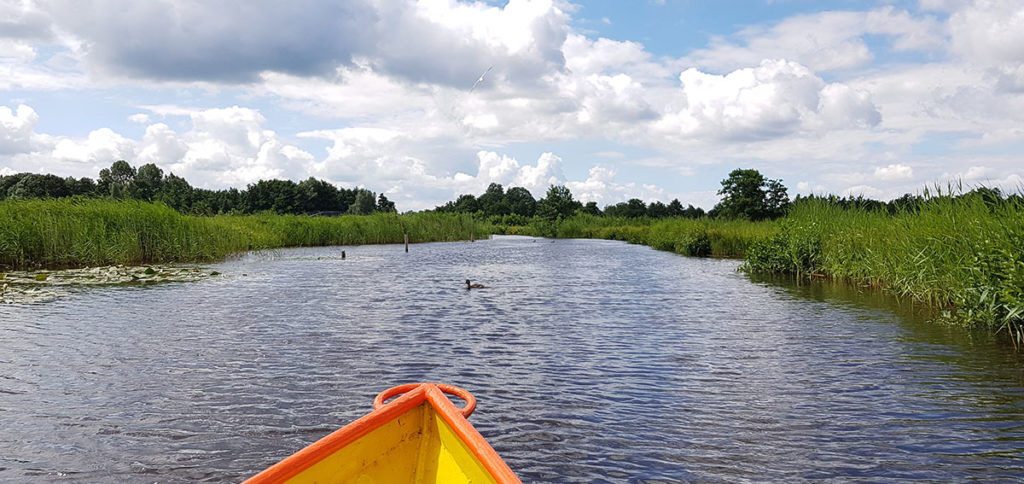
x=600, y=187
x=387, y=84
x=777, y=98
x=101, y=146
x=989, y=32
x=894, y=172
x=161, y=146
x=975, y=173
x=16, y=128
x=822, y=41
x=866, y=191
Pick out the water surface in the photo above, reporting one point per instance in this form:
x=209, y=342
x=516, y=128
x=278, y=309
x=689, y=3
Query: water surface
x=593, y=361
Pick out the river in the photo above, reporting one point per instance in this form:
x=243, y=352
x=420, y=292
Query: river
x=593, y=361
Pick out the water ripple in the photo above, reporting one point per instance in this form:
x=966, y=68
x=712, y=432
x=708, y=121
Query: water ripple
x=593, y=361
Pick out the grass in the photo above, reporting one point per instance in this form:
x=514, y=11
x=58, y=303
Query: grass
x=93, y=232
x=700, y=237
x=961, y=255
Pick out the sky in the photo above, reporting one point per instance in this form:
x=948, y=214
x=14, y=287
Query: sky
x=616, y=99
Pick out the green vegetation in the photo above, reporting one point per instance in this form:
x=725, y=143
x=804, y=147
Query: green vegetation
x=76, y=232
x=693, y=237
x=746, y=194
x=148, y=183
x=960, y=254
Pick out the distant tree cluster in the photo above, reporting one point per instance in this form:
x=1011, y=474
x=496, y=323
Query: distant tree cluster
x=635, y=207
x=747, y=194
x=558, y=202
x=149, y=183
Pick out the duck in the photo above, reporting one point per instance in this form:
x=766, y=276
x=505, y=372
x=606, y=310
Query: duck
x=474, y=286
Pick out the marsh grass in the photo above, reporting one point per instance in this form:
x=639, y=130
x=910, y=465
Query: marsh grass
x=56, y=233
x=694, y=237
x=962, y=255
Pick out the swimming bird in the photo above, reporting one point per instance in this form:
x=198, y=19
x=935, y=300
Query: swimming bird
x=474, y=286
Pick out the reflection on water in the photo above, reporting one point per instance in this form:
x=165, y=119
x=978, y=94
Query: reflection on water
x=593, y=361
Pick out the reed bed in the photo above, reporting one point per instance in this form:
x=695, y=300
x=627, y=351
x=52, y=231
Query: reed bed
x=694, y=237
x=56, y=233
x=961, y=255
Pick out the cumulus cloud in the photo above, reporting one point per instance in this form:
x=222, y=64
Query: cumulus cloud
x=16, y=128
x=866, y=191
x=100, y=146
x=601, y=187
x=447, y=43
x=988, y=34
x=822, y=41
x=226, y=147
x=22, y=20
x=776, y=98
x=894, y=172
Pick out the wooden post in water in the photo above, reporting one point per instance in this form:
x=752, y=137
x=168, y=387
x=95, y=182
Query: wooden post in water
x=406, y=243
x=342, y=255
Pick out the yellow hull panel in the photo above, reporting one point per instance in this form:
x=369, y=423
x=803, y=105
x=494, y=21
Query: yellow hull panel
x=417, y=447
x=419, y=438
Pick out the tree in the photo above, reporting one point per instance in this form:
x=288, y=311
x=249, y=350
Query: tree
x=675, y=208
x=776, y=199
x=657, y=210
x=364, y=203
x=520, y=201
x=317, y=196
x=632, y=208
x=492, y=202
x=693, y=212
x=279, y=196
x=747, y=194
x=591, y=208
x=82, y=186
x=39, y=186
x=558, y=203
x=8, y=181
x=384, y=205
x=115, y=180
x=467, y=204
x=175, y=192
x=146, y=183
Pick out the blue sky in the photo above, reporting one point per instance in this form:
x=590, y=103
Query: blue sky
x=648, y=99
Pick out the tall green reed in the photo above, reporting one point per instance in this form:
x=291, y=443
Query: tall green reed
x=89, y=232
x=962, y=255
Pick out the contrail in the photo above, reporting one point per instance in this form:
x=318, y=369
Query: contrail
x=480, y=79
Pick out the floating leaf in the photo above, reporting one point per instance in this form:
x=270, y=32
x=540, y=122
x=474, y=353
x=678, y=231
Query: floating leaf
x=41, y=277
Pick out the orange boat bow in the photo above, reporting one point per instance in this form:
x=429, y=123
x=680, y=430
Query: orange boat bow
x=419, y=437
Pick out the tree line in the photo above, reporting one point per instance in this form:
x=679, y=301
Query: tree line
x=558, y=202
x=149, y=183
x=746, y=194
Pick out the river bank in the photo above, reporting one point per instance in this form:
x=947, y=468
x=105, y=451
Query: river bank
x=961, y=256
x=70, y=233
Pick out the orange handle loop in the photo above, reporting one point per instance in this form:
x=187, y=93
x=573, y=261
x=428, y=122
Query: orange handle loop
x=466, y=411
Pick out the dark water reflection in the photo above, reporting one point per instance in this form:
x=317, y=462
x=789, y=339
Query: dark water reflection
x=593, y=361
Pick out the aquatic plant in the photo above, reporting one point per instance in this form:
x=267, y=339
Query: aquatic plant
x=959, y=254
x=81, y=232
